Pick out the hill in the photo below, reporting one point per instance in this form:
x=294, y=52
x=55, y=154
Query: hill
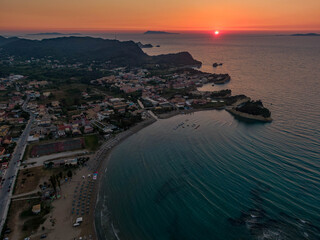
x=52, y=34
x=4, y=40
x=87, y=49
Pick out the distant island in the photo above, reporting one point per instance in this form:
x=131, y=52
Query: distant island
x=305, y=35
x=52, y=34
x=159, y=32
x=217, y=64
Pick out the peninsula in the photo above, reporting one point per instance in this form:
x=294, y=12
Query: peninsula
x=141, y=45
x=252, y=110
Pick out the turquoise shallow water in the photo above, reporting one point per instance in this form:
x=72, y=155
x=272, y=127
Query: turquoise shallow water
x=227, y=179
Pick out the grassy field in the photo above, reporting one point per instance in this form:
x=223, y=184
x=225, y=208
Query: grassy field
x=70, y=94
x=22, y=221
x=29, y=179
x=92, y=142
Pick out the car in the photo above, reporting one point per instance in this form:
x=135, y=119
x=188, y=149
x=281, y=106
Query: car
x=43, y=236
x=79, y=220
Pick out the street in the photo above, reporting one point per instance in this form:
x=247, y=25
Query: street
x=13, y=167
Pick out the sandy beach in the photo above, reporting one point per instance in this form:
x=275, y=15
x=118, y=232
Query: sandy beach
x=59, y=222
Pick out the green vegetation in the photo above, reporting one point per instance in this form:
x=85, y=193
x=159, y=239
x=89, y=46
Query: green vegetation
x=222, y=93
x=210, y=105
x=162, y=110
x=16, y=130
x=92, y=142
x=170, y=92
x=254, y=108
x=69, y=174
x=33, y=221
x=26, y=152
x=125, y=120
x=88, y=49
x=39, y=72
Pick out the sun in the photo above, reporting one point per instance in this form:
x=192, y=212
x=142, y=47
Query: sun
x=216, y=33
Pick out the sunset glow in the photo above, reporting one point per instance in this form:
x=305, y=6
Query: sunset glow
x=159, y=15
x=216, y=32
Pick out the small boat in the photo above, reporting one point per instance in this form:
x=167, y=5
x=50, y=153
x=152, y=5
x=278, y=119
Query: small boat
x=197, y=127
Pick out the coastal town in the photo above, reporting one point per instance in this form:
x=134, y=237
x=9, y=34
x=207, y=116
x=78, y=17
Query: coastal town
x=159, y=120
x=55, y=135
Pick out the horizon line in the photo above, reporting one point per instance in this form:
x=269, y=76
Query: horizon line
x=142, y=31
x=239, y=29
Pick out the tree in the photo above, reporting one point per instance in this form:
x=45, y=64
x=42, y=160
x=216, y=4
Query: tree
x=76, y=101
x=69, y=174
x=58, y=180
x=25, y=115
x=53, y=182
x=64, y=101
x=50, y=164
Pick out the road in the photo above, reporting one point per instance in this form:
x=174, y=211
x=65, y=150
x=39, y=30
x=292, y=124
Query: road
x=12, y=170
x=140, y=104
x=36, y=162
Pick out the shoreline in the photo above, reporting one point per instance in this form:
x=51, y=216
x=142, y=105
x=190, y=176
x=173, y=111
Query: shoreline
x=99, y=161
x=104, y=160
x=184, y=112
x=249, y=116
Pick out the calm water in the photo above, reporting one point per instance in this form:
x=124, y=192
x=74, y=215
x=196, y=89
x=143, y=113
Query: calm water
x=227, y=179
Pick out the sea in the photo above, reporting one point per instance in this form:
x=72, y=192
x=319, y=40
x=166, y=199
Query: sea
x=210, y=176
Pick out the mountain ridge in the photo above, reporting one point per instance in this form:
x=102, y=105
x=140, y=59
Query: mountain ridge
x=73, y=49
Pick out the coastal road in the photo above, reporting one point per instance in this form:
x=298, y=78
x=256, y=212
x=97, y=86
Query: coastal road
x=12, y=170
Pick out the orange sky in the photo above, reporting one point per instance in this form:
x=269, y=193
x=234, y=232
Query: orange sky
x=159, y=14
